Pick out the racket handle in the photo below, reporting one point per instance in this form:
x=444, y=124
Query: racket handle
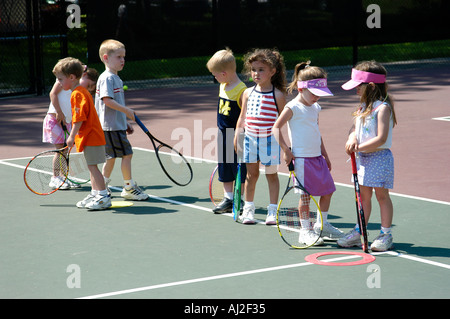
x=291, y=166
x=138, y=121
x=354, y=170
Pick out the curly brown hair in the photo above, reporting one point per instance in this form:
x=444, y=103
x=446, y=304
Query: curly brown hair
x=272, y=58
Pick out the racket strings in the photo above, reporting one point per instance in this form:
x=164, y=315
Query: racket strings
x=296, y=216
x=175, y=165
x=46, y=172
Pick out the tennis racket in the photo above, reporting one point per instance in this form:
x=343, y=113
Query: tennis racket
x=237, y=194
x=172, y=162
x=295, y=221
x=46, y=172
x=215, y=187
x=359, y=207
x=78, y=172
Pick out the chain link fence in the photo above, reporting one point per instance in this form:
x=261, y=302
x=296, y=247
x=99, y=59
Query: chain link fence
x=169, y=41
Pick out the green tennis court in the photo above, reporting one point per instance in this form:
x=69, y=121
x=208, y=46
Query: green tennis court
x=172, y=246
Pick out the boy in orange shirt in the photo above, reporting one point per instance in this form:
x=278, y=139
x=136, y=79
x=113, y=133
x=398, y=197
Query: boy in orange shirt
x=87, y=133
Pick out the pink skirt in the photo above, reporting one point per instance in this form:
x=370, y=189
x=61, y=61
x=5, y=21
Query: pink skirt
x=315, y=176
x=52, y=131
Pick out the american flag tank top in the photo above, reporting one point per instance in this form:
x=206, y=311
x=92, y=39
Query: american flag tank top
x=262, y=112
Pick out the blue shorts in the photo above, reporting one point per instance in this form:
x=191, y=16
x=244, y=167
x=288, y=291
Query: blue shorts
x=376, y=169
x=263, y=149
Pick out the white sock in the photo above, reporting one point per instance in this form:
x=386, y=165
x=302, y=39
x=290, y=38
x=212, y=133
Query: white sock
x=249, y=204
x=228, y=195
x=306, y=224
x=386, y=230
x=324, y=217
x=103, y=192
x=129, y=184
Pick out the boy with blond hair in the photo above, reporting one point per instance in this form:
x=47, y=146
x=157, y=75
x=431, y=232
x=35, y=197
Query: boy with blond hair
x=222, y=65
x=113, y=114
x=86, y=131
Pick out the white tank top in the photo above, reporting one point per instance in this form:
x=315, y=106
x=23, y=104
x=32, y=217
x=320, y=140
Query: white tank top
x=368, y=129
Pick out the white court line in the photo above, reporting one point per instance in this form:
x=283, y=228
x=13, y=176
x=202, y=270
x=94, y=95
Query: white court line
x=210, y=278
x=250, y=272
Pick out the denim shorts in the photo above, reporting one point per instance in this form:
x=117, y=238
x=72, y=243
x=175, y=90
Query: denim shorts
x=263, y=149
x=376, y=169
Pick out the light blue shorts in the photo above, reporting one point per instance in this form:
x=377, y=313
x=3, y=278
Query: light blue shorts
x=376, y=169
x=263, y=149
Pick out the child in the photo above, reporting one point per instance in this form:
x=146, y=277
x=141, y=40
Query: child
x=371, y=138
x=86, y=132
x=261, y=105
x=222, y=65
x=110, y=105
x=308, y=150
x=59, y=111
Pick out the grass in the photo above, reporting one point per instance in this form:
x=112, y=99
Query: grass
x=13, y=59
x=334, y=56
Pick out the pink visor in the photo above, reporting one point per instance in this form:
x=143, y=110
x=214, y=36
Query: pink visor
x=316, y=86
x=359, y=77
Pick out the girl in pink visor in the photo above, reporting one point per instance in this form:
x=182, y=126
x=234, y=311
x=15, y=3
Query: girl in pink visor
x=371, y=139
x=311, y=163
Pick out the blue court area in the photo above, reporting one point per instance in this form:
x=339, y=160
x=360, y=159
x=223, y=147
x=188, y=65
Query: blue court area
x=173, y=247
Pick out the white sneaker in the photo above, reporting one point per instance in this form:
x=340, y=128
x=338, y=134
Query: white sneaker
x=99, y=202
x=329, y=232
x=134, y=193
x=309, y=237
x=382, y=242
x=58, y=182
x=271, y=218
x=87, y=199
x=351, y=239
x=248, y=216
x=72, y=184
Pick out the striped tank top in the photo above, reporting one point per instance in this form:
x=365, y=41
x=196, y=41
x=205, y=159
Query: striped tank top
x=262, y=113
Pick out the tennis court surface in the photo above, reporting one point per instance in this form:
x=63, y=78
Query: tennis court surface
x=173, y=247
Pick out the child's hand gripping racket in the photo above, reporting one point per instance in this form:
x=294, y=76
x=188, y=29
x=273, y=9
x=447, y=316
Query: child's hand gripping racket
x=295, y=221
x=359, y=207
x=172, y=162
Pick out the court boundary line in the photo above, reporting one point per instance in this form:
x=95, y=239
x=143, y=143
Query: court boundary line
x=4, y=162
x=251, y=272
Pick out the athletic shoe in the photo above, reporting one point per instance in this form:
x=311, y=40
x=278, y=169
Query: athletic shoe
x=329, y=232
x=226, y=205
x=72, y=184
x=99, y=202
x=134, y=193
x=351, y=239
x=248, y=216
x=85, y=201
x=107, y=181
x=271, y=218
x=58, y=181
x=308, y=237
x=382, y=242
